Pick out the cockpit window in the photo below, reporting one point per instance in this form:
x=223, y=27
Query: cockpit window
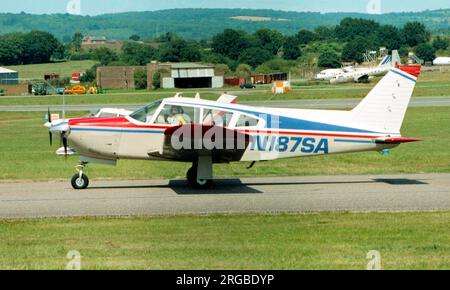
x=217, y=117
x=146, y=113
x=176, y=115
x=247, y=121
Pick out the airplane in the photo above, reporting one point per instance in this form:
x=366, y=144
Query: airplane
x=441, y=61
x=203, y=132
x=360, y=74
x=328, y=74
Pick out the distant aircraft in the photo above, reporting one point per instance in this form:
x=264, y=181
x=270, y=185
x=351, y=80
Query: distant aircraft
x=204, y=132
x=442, y=61
x=361, y=74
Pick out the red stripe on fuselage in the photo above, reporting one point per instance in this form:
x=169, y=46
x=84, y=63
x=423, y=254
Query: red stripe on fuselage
x=120, y=122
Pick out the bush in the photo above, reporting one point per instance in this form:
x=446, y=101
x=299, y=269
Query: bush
x=140, y=79
x=425, y=52
x=81, y=56
x=440, y=43
x=90, y=75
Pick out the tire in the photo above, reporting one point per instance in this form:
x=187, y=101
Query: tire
x=80, y=183
x=196, y=183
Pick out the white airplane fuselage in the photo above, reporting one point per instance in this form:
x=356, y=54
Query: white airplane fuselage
x=156, y=131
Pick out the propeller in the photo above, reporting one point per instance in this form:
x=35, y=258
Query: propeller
x=49, y=119
x=62, y=129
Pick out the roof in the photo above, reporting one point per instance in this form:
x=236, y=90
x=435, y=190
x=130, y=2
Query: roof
x=188, y=65
x=5, y=70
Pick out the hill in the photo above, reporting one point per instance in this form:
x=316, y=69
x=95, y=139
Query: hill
x=201, y=23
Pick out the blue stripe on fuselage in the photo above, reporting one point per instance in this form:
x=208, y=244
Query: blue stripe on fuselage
x=286, y=123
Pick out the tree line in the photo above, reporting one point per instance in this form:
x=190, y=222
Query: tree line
x=262, y=51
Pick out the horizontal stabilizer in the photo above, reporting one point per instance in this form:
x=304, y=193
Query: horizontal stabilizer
x=397, y=140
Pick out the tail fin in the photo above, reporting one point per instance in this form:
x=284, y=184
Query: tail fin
x=386, y=61
x=395, y=59
x=384, y=108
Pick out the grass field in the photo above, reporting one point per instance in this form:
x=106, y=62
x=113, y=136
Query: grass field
x=64, y=69
x=431, y=84
x=26, y=155
x=306, y=241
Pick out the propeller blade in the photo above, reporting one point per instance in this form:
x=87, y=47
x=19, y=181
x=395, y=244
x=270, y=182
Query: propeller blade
x=65, y=143
x=49, y=119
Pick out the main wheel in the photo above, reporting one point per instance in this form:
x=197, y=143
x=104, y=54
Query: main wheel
x=191, y=176
x=80, y=183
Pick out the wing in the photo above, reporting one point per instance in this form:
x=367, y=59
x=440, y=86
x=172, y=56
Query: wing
x=187, y=142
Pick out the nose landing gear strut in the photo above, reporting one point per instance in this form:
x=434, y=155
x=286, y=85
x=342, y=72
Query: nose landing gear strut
x=80, y=180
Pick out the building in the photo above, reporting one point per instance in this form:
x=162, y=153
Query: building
x=94, y=42
x=8, y=77
x=264, y=79
x=117, y=77
x=185, y=75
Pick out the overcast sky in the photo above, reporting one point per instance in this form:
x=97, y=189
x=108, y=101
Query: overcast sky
x=93, y=7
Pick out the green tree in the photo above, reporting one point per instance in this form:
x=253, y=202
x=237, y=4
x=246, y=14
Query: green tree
x=415, y=33
x=269, y=40
x=77, y=41
x=354, y=50
x=90, y=75
x=305, y=37
x=440, y=43
x=135, y=37
x=179, y=50
x=140, y=79
x=350, y=28
x=244, y=71
x=11, y=48
x=425, y=51
x=329, y=59
x=324, y=33
x=105, y=55
x=138, y=54
x=291, y=48
x=255, y=56
x=222, y=69
x=39, y=47
x=390, y=37
x=230, y=43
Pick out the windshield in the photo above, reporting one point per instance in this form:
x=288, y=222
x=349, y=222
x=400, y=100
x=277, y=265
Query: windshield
x=146, y=113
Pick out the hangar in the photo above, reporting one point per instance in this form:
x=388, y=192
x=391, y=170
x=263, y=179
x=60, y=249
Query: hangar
x=185, y=75
x=8, y=77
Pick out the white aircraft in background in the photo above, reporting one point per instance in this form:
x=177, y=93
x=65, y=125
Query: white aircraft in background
x=331, y=73
x=204, y=132
x=442, y=61
x=361, y=74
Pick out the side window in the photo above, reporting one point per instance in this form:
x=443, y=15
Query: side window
x=176, y=115
x=246, y=121
x=216, y=117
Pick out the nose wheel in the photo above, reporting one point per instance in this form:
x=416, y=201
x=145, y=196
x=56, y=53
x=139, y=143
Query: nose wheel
x=80, y=180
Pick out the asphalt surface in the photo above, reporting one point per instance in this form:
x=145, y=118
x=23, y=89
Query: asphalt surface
x=423, y=192
x=300, y=104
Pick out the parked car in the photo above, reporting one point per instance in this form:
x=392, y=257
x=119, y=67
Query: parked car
x=248, y=86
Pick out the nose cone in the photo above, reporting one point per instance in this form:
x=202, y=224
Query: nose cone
x=59, y=128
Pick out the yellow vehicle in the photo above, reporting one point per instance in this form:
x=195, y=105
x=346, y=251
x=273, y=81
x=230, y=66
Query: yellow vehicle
x=76, y=90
